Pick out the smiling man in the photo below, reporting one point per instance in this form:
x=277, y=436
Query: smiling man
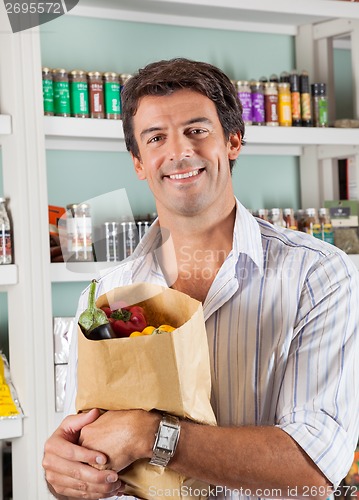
x=281, y=312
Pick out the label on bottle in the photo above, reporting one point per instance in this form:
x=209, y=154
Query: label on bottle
x=5, y=245
x=257, y=107
x=61, y=98
x=112, y=98
x=317, y=231
x=271, y=108
x=322, y=112
x=328, y=233
x=79, y=98
x=48, y=95
x=246, y=100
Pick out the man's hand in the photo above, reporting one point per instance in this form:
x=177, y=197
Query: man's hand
x=124, y=436
x=68, y=466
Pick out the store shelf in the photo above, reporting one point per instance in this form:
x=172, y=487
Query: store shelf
x=10, y=427
x=277, y=16
x=78, y=271
x=355, y=259
x=5, y=124
x=8, y=274
x=107, y=135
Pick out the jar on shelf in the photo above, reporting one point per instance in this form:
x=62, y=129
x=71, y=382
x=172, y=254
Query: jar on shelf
x=61, y=92
x=311, y=223
x=245, y=96
x=276, y=217
x=289, y=219
x=326, y=225
x=271, y=103
x=257, y=93
x=112, y=95
x=295, y=99
x=96, y=99
x=79, y=94
x=263, y=213
x=48, y=91
x=5, y=234
x=284, y=105
x=320, y=105
x=79, y=232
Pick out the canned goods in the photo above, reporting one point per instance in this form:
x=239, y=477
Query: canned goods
x=61, y=92
x=245, y=96
x=79, y=94
x=48, y=91
x=112, y=95
x=284, y=105
x=96, y=101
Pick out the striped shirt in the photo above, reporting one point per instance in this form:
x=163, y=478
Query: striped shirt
x=282, y=322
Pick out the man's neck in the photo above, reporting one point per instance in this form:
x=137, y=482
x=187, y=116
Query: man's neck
x=193, y=254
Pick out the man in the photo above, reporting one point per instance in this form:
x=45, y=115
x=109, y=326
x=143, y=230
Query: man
x=281, y=312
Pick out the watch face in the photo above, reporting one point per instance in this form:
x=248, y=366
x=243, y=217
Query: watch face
x=167, y=438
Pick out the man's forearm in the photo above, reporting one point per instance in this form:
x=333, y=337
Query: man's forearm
x=253, y=458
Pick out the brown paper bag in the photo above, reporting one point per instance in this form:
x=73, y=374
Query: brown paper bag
x=169, y=372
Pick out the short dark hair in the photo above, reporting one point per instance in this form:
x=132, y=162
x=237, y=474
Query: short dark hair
x=167, y=76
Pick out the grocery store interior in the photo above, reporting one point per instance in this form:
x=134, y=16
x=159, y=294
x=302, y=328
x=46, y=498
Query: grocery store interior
x=51, y=164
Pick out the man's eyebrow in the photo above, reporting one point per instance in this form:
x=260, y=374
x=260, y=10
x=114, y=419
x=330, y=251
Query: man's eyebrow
x=198, y=119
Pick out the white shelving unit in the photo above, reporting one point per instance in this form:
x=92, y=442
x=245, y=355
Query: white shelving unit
x=5, y=125
x=107, y=135
x=314, y=23
x=8, y=275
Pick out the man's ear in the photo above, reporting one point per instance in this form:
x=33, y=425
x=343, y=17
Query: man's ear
x=140, y=171
x=234, y=145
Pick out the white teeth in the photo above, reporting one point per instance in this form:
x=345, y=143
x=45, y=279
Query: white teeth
x=184, y=176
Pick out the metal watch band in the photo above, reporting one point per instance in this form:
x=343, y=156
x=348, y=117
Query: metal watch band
x=160, y=456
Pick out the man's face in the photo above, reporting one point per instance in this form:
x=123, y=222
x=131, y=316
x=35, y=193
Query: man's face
x=184, y=155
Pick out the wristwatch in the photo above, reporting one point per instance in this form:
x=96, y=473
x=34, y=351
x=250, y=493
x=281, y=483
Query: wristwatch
x=166, y=440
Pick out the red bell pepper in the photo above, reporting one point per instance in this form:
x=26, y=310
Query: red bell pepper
x=126, y=320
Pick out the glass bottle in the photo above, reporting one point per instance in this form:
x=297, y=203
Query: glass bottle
x=79, y=232
x=61, y=92
x=96, y=99
x=48, y=91
x=320, y=105
x=257, y=93
x=245, y=96
x=112, y=95
x=289, y=219
x=79, y=94
x=276, y=217
x=5, y=234
x=284, y=105
x=311, y=223
x=326, y=226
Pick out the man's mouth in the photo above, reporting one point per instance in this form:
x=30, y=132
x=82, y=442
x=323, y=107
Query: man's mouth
x=185, y=175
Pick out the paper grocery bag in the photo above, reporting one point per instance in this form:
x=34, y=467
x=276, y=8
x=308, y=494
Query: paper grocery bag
x=168, y=372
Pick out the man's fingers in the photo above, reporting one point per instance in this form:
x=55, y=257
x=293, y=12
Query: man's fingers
x=74, y=423
x=69, y=479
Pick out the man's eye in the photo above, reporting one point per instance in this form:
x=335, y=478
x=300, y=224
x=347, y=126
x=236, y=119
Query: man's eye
x=197, y=131
x=155, y=139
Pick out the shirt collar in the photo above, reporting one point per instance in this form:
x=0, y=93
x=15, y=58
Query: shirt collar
x=246, y=240
x=247, y=237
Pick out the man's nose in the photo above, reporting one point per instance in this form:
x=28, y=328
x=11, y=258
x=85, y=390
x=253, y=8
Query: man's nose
x=180, y=147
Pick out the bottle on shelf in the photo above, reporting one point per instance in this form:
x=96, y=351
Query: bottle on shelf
x=326, y=226
x=5, y=234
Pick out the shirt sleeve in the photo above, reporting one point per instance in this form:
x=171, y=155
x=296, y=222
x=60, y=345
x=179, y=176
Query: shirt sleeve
x=71, y=377
x=318, y=404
